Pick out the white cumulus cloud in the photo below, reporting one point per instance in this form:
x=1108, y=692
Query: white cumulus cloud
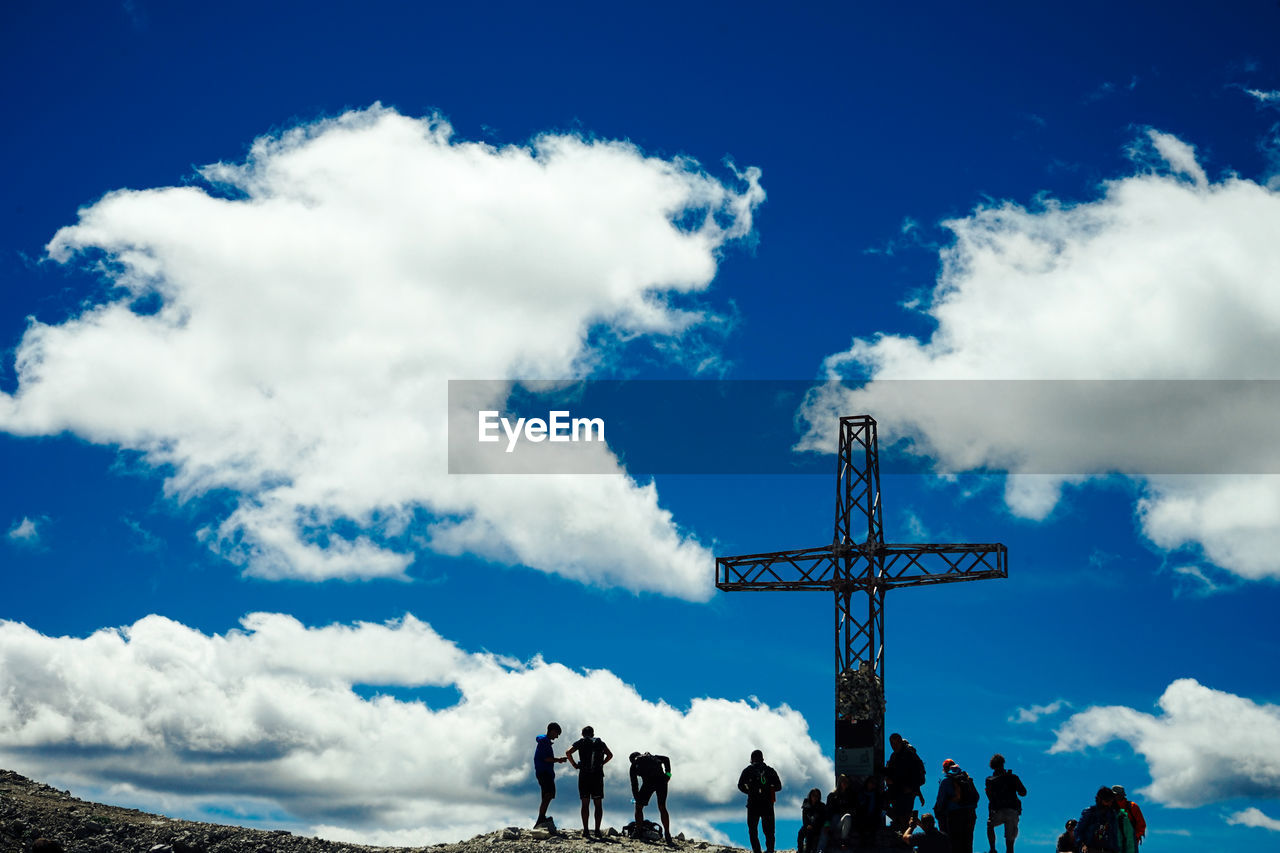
x=266, y=717
x=1073, y=328
x=287, y=332
x=1204, y=746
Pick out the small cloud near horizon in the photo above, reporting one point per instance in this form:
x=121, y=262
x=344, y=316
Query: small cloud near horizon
x=1035, y=712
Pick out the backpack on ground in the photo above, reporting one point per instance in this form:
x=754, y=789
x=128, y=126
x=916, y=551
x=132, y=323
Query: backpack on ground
x=646, y=830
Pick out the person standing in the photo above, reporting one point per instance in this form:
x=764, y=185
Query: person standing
x=593, y=755
x=1130, y=808
x=544, y=769
x=956, y=806
x=761, y=784
x=904, y=776
x=650, y=775
x=1004, y=808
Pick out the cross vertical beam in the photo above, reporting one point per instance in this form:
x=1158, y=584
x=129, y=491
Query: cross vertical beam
x=870, y=566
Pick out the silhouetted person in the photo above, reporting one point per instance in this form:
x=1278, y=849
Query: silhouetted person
x=1004, y=808
x=869, y=817
x=650, y=775
x=813, y=820
x=904, y=775
x=1067, y=840
x=593, y=755
x=1130, y=808
x=544, y=768
x=841, y=805
x=929, y=839
x=1097, y=831
x=761, y=784
x=956, y=806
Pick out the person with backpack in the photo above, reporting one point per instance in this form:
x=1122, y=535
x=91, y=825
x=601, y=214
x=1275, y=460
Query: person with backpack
x=956, y=807
x=1004, y=808
x=593, y=755
x=761, y=784
x=650, y=775
x=1130, y=808
x=1097, y=830
x=904, y=777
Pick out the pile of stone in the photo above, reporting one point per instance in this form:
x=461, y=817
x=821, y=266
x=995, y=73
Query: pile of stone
x=859, y=694
x=36, y=818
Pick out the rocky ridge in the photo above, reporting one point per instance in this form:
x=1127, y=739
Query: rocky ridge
x=30, y=811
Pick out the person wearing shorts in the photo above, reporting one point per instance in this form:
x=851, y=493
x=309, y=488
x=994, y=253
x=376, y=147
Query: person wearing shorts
x=593, y=755
x=650, y=775
x=544, y=769
x=1004, y=789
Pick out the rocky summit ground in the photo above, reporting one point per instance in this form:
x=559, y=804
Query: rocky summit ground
x=30, y=811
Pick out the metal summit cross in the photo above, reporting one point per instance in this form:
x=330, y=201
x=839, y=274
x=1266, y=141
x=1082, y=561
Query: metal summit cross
x=872, y=567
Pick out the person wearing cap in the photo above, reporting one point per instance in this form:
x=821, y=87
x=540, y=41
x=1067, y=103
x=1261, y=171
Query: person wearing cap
x=1126, y=839
x=956, y=814
x=1067, y=840
x=761, y=784
x=650, y=775
x=1003, y=806
x=1097, y=831
x=1134, y=813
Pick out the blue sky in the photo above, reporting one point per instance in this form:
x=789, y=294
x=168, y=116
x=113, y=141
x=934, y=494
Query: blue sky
x=245, y=249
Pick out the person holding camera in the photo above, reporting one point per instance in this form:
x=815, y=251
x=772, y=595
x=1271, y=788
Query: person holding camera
x=928, y=839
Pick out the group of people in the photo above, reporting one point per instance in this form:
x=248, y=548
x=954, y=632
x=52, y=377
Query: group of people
x=588, y=755
x=1113, y=824
x=650, y=775
x=854, y=814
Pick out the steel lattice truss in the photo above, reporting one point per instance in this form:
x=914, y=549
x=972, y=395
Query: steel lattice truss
x=871, y=567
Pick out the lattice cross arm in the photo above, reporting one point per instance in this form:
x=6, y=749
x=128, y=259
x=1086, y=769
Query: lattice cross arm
x=921, y=564
x=802, y=569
